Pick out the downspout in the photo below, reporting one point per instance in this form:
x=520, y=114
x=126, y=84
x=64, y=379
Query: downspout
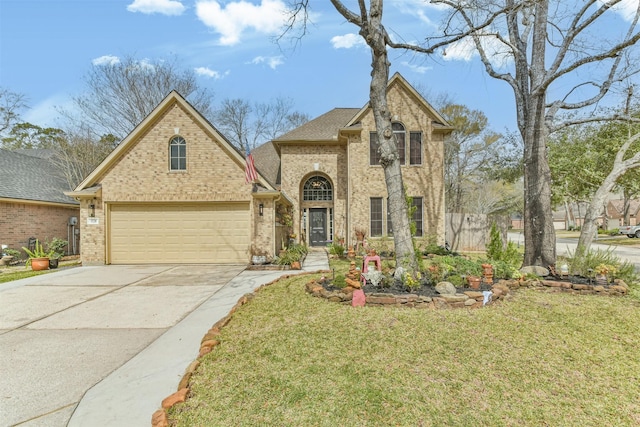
x=273, y=222
x=347, y=237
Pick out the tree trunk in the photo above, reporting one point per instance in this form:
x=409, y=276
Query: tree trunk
x=626, y=203
x=374, y=35
x=539, y=234
x=589, y=228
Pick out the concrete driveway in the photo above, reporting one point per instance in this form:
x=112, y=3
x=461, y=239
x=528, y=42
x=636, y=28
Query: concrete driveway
x=104, y=345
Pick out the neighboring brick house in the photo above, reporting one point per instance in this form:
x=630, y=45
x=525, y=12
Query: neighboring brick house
x=616, y=207
x=32, y=203
x=174, y=190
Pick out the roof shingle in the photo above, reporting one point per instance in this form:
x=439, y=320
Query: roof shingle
x=27, y=177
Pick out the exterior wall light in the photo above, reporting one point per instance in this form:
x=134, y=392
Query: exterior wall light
x=261, y=209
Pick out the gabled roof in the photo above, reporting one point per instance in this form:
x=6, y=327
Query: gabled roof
x=328, y=126
x=618, y=205
x=31, y=178
x=171, y=99
x=267, y=161
x=439, y=123
x=323, y=128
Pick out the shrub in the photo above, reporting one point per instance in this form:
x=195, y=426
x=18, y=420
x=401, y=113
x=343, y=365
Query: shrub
x=339, y=281
x=16, y=254
x=294, y=253
x=336, y=249
x=494, y=247
x=57, y=246
x=585, y=264
x=496, y=251
x=456, y=280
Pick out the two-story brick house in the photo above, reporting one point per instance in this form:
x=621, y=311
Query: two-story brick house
x=174, y=190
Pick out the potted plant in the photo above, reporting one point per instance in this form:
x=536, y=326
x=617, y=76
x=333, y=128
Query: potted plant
x=474, y=282
x=38, y=257
x=56, y=247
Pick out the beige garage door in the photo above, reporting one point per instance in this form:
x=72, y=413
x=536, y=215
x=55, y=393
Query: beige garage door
x=208, y=233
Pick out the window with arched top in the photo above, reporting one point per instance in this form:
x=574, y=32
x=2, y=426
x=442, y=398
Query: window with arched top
x=177, y=154
x=317, y=188
x=398, y=131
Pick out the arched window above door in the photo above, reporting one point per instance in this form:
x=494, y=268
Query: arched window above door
x=317, y=188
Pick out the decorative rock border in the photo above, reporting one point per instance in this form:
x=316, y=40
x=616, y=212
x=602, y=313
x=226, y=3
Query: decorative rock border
x=468, y=299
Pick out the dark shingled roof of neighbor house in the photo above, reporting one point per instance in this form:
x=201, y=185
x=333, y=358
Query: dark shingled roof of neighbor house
x=31, y=177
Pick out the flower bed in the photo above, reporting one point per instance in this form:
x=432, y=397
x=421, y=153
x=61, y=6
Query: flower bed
x=462, y=297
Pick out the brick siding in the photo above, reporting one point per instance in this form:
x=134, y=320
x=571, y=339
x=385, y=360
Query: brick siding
x=20, y=221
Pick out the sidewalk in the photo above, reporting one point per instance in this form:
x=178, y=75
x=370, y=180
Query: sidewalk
x=131, y=394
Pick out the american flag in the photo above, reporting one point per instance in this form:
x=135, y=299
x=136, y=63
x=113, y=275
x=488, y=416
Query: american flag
x=250, y=173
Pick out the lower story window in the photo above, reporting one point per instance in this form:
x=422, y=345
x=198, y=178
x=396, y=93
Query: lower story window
x=375, y=217
x=417, y=215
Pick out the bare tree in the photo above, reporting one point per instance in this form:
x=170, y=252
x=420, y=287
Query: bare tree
x=369, y=22
x=79, y=152
x=248, y=126
x=11, y=103
x=541, y=47
x=121, y=94
x=548, y=42
x=467, y=150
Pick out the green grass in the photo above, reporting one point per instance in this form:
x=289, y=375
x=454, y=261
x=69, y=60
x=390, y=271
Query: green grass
x=14, y=274
x=9, y=274
x=287, y=358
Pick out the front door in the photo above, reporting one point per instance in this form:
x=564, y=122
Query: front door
x=318, y=222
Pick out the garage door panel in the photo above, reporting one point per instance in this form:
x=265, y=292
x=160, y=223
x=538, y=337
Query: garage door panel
x=179, y=233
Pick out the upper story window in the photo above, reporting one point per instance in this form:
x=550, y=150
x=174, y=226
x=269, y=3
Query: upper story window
x=178, y=154
x=415, y=148
x=401, y=135
x=317, y=188
x=374, y=154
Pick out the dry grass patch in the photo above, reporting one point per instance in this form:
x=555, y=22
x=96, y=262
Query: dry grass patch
x=287, y=358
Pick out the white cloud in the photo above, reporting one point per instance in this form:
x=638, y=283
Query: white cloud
x=272, y=61
x=106, y=60
x=45, y=113
x=418, y=8
x=465, y=50
x=347, y=41
x=208, y=72
x=626, y=8
x=165, y=7
x=420, y=69
x=236, y=17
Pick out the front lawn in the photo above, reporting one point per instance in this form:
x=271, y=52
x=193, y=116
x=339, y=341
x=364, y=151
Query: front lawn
x=9, y=274
x=287, y=358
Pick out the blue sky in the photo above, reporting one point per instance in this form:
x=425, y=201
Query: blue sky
x=47, y=46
